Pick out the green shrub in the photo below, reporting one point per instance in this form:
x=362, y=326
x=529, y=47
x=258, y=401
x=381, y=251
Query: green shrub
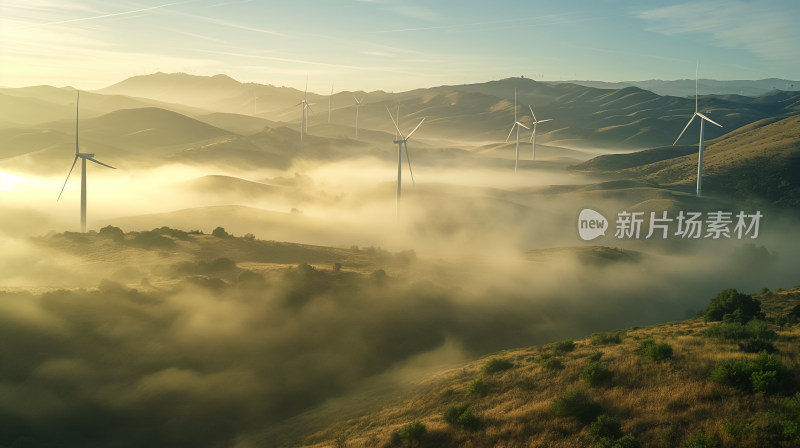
x=605, y=430
x=757, y=346
x=497, y=365
x=702, y=440
x=595, y=374
x=733, y=306
x=576, y=403
x=412, y=434
x=562, y=347
x=763, y=374
x=479, y=387
x=461, y=417
x=790, y=419
x=626, y=441
x=611, y=337
x=755, y=329
x=552, y=364
x=657, y=352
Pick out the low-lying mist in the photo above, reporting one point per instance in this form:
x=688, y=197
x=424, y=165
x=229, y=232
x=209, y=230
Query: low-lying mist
x=169, y=358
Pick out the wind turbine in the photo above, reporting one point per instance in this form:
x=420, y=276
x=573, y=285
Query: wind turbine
x=516, y=126
x=703, y=119
x=401, y=141
x=84, y=157
x=533, y=134
x=358, y=105
x=306, y=106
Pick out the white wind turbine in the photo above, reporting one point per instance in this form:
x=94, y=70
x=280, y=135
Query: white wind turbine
x=401, y=141
x=516, y=126
x=359, y=103
x=703, y=119
x=306, y=106
x=533, y=134
x=84, y=157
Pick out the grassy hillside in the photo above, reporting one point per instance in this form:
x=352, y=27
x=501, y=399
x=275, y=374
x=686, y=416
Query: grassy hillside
x=659, y=386
x=758, y=160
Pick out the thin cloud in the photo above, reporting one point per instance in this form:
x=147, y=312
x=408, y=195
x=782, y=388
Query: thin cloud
x=103, y=16
x=764, y=28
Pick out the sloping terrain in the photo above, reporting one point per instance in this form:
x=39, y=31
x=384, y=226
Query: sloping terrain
x=758, y=160
x=552, y=395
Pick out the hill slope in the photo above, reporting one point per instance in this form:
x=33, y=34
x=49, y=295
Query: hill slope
x=761, y=159
x=549, y=395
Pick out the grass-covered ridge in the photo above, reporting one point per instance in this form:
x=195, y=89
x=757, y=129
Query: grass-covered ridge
x=668, y=385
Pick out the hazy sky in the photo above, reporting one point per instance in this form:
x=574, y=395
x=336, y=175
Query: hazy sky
x=395, y=44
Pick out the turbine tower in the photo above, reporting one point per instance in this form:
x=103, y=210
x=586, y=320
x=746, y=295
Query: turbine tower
x=358, y=105
x=516, y=126
x=84, y=157
x=401, y=141
x=703, y=119
x=305, y=107
x=533, y=134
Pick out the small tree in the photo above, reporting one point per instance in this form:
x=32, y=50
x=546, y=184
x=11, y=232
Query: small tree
x=220, y=232
x=733, y=306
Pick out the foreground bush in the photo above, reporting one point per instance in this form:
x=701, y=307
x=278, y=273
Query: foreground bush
x=733, y=306
x=411, y=434
x=596, y=374
x=606, y=432
x=497, y=365
x=763, y=374
x=461, y=417
x=657, y=352
x=576, y=403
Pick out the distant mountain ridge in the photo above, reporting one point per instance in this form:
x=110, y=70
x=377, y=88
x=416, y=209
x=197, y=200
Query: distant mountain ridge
x=686, y=87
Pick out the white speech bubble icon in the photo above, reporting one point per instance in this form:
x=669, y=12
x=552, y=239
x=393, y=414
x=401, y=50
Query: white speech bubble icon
x=591, y=224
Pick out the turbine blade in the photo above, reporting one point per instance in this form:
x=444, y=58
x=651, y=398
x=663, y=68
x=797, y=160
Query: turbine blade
x=533, y=133
x=523, y=125
x=532, y=114
x=77, y=102
x=542, y=121
x=99, y=162
x=394, y=122
x=415, y=129
x=684, y=129
x=511, y=131
x=409, y=162
x=708, y=119
x=67, y=179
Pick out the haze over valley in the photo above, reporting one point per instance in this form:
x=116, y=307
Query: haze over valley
x=229, y=232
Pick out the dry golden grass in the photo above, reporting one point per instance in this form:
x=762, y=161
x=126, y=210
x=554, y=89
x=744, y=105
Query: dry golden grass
x=661, y=403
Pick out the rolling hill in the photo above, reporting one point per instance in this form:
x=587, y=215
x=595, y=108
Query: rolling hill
x=758, y=160
x=612, y=118
x=552, y=395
